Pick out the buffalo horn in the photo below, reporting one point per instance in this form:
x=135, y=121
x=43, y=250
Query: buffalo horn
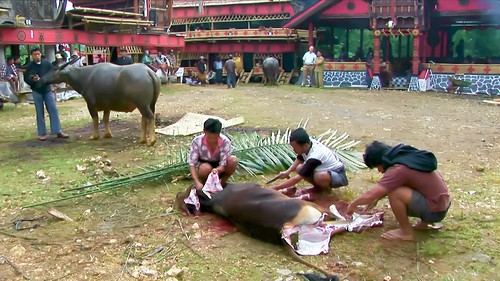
x=68, y=63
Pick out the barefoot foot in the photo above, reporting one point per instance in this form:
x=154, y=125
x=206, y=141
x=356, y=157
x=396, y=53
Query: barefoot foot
x=398, y=234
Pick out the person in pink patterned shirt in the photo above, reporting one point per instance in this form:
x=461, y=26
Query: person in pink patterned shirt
x=211, y=153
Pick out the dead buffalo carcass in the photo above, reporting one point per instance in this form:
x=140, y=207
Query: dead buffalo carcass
x=259, y=212
x=107, y=87
x=270, y=67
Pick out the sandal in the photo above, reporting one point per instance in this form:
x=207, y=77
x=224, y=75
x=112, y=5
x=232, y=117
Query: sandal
x=42, y=138
x=62, y=136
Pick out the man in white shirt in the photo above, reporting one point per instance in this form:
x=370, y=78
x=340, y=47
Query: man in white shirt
x=309, y=59
x=316, y=163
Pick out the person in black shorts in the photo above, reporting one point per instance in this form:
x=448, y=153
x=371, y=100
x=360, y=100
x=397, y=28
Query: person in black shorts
x=316, y=163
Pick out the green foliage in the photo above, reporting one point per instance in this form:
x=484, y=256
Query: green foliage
x=478, y=43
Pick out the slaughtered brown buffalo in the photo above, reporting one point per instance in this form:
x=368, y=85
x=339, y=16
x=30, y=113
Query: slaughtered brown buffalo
x=260, y=212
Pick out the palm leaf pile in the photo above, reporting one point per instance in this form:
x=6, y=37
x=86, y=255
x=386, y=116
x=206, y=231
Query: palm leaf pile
x=257, y=155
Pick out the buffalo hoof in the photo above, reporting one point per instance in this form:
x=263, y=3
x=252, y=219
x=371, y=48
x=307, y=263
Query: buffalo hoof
x=94, y=137
x=108, y=135
x=152, y=142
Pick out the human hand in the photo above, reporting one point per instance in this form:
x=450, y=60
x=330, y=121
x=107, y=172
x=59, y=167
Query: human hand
x=36, y=78
x=350, y=211
x=283, y=175
x=198, y=186
x=370, y=206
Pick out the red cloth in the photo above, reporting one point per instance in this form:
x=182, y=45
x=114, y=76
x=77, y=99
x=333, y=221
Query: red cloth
x=423, y=75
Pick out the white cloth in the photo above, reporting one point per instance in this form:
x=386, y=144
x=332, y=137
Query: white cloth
x=329, y=160
x=314, y=239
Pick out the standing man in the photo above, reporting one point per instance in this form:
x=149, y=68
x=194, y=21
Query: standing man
x=316, y=163
x=172, y=63
x=202, y=70
x=42, y=95
x=309, y=58
x=9, y=74
x=230, y=67
x=414, y=187
x=211, y=153
x=319, y=68
x=123, y=59
x=218, y=70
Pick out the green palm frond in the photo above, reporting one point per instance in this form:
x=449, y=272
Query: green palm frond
x=271, y=154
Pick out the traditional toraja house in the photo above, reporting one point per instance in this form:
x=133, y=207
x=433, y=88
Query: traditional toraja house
x=425, y=28
x=250, y=30
x=46, y=22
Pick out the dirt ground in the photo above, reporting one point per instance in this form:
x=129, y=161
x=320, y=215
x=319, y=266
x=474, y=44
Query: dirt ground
x=134, y=234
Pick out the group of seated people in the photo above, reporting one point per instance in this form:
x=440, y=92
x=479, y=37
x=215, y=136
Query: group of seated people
x=163, y=65
x=9, y=72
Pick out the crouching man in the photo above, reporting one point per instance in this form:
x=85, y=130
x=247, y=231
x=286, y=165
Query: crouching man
x=414, y=187
x=211, y=153
x=315, y=163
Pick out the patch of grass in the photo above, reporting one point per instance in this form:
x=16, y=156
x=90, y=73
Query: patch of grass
x=433, y=248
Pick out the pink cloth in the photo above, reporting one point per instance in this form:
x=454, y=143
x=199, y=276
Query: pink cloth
x=212, y=185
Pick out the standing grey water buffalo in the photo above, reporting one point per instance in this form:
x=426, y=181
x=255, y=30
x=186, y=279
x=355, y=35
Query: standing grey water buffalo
x=259, y=212
x=107, y=87
x=270, y=67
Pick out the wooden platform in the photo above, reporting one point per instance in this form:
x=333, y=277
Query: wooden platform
x=283, y=78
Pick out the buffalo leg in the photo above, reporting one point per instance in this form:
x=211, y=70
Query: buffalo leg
x=95, y=121
x=105, y=119
x=152, y=134
x=144, y=126
x=147, y=123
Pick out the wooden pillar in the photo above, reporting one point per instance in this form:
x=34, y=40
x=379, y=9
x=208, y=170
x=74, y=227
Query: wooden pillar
x=310, y=38
x=408, y=45
x=2, y=54
x=400, y=43
x=15, y=50
x=388, y=49
x=423, y=46
x=347, y=43
x=50, y=52
x=136, y=6
x=332, y=41
x=416, y=55
x=376, y=55
x=361, y=37
x=444, y=43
